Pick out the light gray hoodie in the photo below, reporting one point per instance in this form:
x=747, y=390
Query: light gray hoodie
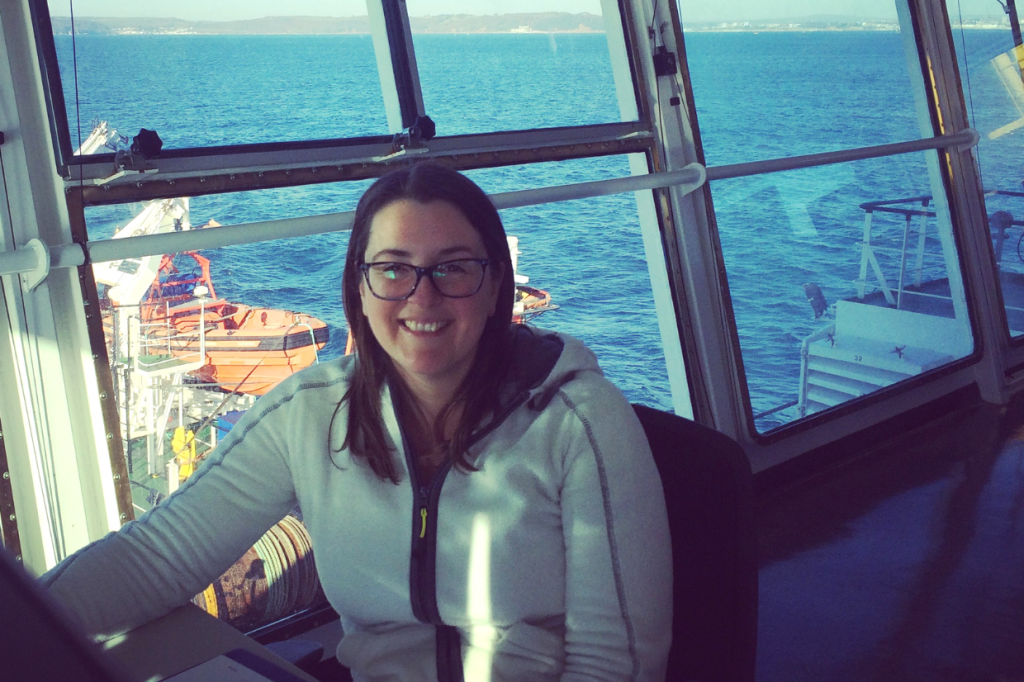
x=552, y=561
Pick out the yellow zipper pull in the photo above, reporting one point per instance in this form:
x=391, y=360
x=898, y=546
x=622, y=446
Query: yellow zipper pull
x=423, y=525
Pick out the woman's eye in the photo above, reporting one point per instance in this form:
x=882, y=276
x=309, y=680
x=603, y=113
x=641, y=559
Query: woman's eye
x=451, y=269
x=392, y=270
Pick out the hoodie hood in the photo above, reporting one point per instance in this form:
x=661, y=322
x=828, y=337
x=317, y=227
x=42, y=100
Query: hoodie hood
x=542, y=362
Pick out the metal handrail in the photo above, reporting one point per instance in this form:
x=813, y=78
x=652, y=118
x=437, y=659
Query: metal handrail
x=689, y=178
x=963, y=140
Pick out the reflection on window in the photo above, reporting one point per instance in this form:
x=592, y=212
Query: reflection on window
x=483, y=72
x=991, y=75
x=226, y=80
x=865, y=289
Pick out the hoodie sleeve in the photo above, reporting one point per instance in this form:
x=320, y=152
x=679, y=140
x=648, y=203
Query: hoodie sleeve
x=159, y=561
x=617, y=543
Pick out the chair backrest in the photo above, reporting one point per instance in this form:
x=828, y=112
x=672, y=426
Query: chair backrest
x=708, y=492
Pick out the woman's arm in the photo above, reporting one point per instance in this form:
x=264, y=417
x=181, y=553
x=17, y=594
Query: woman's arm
x=176, y=549
x=617, y=543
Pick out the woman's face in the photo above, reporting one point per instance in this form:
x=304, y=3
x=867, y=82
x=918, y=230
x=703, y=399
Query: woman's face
x=431, y=339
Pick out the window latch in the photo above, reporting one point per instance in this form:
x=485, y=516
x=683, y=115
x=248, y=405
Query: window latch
x=411, y=141
x=664, y=62
x=146, y=145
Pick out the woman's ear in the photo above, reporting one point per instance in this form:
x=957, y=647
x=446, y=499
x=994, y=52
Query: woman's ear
x=362, y=296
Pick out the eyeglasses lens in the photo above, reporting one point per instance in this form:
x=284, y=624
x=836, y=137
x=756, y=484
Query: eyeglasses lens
x=455, y=279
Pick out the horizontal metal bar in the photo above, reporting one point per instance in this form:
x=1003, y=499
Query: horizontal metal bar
x=217, y=237
x=920, y=199
x=689, y=178
x=906, y=212
x=778, y=408
x=20, y=260
x=162, y=186
x=963, y=140
x=176, y=164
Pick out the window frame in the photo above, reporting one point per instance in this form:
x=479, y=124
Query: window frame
x=402, y=78
x=959, y=218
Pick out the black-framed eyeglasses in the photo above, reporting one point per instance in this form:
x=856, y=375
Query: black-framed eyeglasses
x=457, y=278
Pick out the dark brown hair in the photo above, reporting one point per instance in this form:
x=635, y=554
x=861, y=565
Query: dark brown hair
x=478, y=394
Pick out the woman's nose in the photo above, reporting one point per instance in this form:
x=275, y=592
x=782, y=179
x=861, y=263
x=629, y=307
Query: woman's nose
x=425, y=293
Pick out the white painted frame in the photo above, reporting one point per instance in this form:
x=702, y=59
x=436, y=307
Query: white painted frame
x=53, y=428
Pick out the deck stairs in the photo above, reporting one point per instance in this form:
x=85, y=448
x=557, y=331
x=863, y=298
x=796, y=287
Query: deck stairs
x=870, y=347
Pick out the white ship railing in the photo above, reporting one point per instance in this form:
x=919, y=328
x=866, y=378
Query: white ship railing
x=908, y=209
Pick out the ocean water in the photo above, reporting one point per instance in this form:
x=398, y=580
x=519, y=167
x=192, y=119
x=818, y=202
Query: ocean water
x=758, y=96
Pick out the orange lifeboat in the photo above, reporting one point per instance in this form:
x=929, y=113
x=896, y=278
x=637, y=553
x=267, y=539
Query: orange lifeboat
x=247, y=349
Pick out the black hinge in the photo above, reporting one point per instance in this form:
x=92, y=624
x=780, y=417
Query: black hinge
x=664, y=62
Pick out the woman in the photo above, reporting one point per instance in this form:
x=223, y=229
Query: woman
x=482, y=502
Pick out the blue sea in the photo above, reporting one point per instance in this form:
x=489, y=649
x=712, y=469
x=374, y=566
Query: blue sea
x=758, y=96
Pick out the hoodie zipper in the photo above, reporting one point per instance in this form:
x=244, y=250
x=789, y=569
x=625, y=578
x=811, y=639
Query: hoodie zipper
x=423, y=558
x=424, y=542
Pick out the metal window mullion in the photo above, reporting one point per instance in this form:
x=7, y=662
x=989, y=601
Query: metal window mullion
x=921, y=70
x=29, y=447
x=980, y=278
x=396, y=62
x=629, y=84
x=53, y=90
x=700, y=297
x=618, y=52
x=9, y=535
x=403, y=60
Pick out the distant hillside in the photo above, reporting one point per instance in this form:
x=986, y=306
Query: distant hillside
x=543, y=22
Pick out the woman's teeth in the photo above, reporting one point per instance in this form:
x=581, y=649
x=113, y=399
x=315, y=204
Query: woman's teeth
x=423, y=326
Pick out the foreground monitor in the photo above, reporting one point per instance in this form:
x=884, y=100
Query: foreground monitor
x=37, y=641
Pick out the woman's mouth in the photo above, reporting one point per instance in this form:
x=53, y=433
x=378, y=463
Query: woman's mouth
x=414, y=326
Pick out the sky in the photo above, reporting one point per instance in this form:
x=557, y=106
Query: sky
x=690, y=10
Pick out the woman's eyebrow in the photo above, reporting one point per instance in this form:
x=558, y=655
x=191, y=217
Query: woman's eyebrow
x=402, y=253
x=397, y=253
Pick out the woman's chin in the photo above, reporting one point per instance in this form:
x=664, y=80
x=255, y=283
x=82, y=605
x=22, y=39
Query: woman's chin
x=432, y=370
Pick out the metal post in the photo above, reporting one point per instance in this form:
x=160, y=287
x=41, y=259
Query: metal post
x=903, y=262
x=921, y=243
x=865, y=246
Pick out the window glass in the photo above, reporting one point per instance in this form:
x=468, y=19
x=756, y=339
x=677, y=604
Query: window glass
x=589, y=255
x=865, y=287
x=489, y=67
x=784, y=79
x=844, y=279
x=206, y=74
x=195, y=338
x=991, y=76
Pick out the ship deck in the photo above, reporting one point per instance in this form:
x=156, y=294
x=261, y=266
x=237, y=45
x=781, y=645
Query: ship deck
x=933, y=298
x=905, y=562
x=149, y=453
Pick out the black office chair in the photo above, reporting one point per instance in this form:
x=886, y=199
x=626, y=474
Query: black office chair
x=708, y=492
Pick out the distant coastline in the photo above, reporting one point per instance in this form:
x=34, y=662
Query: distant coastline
x=541, y=22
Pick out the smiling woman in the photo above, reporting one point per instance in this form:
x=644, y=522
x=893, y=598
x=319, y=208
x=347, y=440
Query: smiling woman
x=430, y=332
